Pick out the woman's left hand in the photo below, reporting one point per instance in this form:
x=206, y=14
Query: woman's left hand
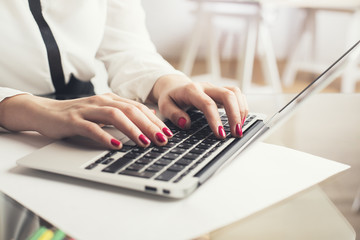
x=175, y=93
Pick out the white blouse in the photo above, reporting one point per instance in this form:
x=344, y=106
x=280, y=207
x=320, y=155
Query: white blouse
x=102, y=41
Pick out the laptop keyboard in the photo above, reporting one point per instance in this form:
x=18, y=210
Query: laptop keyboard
x=183, y=153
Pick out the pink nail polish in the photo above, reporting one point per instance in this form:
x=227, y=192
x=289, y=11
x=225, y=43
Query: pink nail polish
x=160, y=137
x=238, y=130
x=182, y=122
x=144, y=139
x=167, y=132
x=115, y=142
x=243, y=120
x=221, y=131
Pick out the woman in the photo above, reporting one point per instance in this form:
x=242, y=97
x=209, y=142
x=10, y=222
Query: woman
x=47, y=47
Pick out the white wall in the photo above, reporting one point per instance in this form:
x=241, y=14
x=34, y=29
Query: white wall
x=170, y=24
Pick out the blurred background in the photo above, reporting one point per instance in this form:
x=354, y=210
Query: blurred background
x=282, y=42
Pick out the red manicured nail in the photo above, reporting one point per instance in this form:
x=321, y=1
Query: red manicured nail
x=243, y=120
x=144, y=139
x=167, y=132
x=182, y=122
x=160, y=137
x=115, y=142
x=238, y=129
x=221, y=131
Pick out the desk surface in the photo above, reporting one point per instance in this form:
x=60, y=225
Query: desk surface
x=326, y=126
x=263, y=103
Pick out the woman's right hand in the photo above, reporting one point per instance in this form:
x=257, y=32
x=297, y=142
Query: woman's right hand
x=84, y=116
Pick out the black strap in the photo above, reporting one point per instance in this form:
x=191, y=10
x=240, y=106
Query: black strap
x=75, y=88
x=53, y=53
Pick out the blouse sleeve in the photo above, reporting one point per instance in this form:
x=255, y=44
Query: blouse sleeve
x=130, y=57
x=5, y=93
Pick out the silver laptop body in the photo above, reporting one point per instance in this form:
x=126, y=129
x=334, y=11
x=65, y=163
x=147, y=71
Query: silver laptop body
x=81, y=158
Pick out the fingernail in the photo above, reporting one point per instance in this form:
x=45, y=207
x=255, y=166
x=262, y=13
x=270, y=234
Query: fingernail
x=160, y=137
x=144, y=139
x=115, y=142
x=221, y=131
x=167, y=132
x=238, y=129
x=153, y=110
x=182, y=122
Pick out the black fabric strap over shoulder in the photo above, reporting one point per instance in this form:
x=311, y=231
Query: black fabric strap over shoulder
x=75, y=88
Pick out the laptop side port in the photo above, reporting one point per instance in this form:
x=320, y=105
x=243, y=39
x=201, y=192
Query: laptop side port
x=150, y=189
x=165, y=191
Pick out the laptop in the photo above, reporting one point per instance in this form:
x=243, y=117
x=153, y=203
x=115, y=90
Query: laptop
x=185, y=163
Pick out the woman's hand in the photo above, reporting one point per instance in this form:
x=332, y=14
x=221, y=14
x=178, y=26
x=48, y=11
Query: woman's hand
x=174, y=93
x=84, y=116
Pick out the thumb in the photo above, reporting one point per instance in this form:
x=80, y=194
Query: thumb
x=169, y=109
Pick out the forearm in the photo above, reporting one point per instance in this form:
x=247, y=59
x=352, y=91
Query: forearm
x=18, y=113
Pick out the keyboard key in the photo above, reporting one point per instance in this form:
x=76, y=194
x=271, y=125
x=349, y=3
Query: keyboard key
x=191, y=156
x=176, y=168
x=184, y=162
x=100, y=160
x=204, y=145
x=210, y=140
x=109, y=154
x=125, y=148
x=144, y=160
x=140, y=150
x=182, y=134
x=191, y=141
x=178, y=150
x=162, y=149
x=175, y=139
x=198, y=150
x=135, y=167
x=171, y=156
x=115, y=166
x=166, y=176
x=138, y=174
x=91, y=166
x=107, y=161
x=132, y=155
x=171, y=144
x=152, y=154
x=185, y=145
x=154, y=168
x=163, y=162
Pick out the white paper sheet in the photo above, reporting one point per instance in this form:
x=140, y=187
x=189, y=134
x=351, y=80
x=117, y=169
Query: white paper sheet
x=259, y=178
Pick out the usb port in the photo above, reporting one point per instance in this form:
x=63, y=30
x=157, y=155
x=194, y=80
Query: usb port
x=165, y=191
x=150, y=189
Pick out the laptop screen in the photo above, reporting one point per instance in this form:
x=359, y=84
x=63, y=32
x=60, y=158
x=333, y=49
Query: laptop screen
x=329, y=75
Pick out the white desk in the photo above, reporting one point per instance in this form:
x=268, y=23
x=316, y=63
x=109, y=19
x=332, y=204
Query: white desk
x=101, y=193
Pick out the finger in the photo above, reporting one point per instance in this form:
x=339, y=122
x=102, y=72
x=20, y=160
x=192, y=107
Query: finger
x=230, y=101
x=152, y=117
x=243, y=106
x=206, y=104
x=149, y=113
x=175, y=114
x=141, y=120
x=113, y=116
x=96, y=133
x=246, y=108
